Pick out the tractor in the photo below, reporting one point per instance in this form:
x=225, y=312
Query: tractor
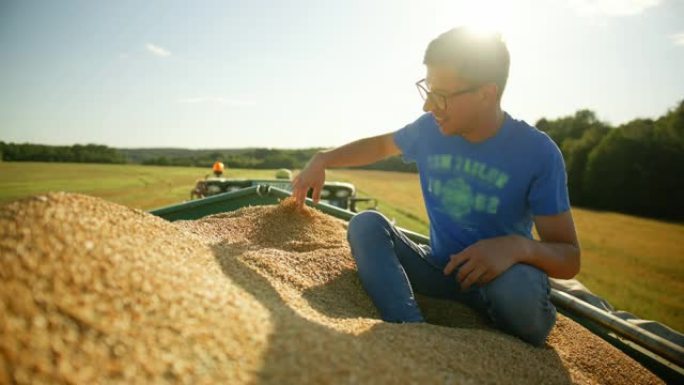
x=338, y=194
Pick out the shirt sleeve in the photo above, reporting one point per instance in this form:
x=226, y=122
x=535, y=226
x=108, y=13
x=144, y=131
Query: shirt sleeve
x=548, y=193
x=408, y=139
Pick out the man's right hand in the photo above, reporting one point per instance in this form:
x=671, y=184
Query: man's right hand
x=358, y=153
x=311, y=177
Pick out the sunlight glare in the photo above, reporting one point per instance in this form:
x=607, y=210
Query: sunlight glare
x=487, y=16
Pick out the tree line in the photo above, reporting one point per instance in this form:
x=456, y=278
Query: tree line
x=637, y=167
x=255, y=158
x=89, y=153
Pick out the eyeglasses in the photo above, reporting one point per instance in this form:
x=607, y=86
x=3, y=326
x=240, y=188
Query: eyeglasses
x=439, y=100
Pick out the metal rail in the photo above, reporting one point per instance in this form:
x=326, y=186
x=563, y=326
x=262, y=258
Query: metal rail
x=654, y=343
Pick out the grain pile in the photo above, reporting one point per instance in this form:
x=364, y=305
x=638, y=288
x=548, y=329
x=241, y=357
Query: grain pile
x=93, y=292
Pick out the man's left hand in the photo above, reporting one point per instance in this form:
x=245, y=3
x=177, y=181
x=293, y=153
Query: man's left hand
x=485, y=260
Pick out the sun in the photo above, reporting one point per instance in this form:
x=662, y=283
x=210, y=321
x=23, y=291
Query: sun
x=487, y=16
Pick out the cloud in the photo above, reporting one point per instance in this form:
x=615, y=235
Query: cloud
x=677, y=38
x=157, y=50
x=217, y=100
x=611, y=7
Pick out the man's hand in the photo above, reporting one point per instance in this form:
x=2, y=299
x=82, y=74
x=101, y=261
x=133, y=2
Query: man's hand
x=357, y=153
x=312, y=176
x=486, y=259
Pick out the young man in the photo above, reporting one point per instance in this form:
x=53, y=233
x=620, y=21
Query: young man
x=486, y=178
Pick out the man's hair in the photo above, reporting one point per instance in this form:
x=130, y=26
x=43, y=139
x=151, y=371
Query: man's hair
x=478, y=57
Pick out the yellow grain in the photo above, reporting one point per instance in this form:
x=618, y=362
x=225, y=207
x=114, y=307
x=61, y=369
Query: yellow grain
x=93, y=292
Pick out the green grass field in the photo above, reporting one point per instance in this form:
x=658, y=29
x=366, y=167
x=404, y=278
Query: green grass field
x=637, y=264
x=142, y=187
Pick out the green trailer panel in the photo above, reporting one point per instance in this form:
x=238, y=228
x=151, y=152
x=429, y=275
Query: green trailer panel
x=231, y=201
x=252, y=196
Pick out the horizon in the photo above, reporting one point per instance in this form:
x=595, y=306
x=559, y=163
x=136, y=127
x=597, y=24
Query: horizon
x=311, y=74
x=268, y=147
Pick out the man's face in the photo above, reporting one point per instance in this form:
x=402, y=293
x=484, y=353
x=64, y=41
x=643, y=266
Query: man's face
x=462, y=111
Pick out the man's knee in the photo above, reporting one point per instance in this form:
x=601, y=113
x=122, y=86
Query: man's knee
x=518, y=302
x=366, y=222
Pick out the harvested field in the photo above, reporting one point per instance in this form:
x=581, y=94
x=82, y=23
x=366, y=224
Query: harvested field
x=94, y=292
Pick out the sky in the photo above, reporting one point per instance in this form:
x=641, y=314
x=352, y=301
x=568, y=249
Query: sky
x=318, y=73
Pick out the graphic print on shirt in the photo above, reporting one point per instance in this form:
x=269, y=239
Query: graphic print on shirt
x=463, y=185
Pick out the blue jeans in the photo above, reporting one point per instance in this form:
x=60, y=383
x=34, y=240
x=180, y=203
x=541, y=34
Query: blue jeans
x=391, y=267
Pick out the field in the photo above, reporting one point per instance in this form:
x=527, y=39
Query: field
x=636, y=264
x=142, y=187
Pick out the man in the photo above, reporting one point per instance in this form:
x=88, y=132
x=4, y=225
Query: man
x=217, y=168
x=486, y=178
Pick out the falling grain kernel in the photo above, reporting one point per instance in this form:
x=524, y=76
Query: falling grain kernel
x=93, y=292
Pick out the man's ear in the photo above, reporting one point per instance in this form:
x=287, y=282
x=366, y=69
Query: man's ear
x=490, y=93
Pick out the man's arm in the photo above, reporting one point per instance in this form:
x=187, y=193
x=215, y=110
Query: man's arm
x=358, y=153
x=557, y=252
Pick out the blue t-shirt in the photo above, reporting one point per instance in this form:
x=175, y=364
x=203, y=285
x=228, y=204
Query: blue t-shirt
x=475, y=191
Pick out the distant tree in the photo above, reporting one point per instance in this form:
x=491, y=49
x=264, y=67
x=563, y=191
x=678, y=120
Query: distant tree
x=394, y=163
x=670, y=127
x=634, y=170
x=576, y=136
x=570, y=127
x=77, y=153
x=576, y=154
x=163, y=161
x=612, y=169
x=278, y=160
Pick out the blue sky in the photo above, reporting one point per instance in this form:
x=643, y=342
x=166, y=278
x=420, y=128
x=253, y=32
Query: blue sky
x=294, y=74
